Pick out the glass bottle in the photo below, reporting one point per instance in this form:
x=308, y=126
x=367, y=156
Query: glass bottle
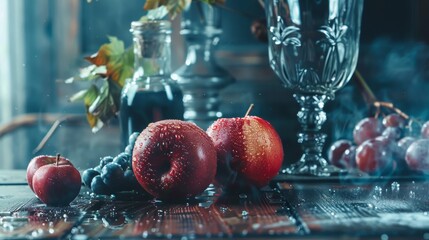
x=150, y=95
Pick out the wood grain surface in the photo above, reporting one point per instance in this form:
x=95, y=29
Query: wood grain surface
x=384, y=209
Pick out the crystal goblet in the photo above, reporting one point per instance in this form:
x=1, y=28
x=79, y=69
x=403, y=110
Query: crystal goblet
x=313, y=48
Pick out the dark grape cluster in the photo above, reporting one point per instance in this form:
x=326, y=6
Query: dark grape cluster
x=383, y=147
x=113, y=174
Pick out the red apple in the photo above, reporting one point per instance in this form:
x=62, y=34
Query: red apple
x=40, y=161
x=173, y=159
x=55, y=184
x=248, y=149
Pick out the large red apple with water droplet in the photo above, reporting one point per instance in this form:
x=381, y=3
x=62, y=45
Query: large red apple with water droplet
x=173, y=159
x=248, y=149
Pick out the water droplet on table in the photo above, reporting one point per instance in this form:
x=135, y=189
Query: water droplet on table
x=395, y=186
x=378, y=191
x=384, y=237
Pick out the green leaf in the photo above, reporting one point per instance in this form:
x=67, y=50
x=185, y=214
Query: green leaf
x=121, y=67
x=157, y=13
x=112, y=64
x=119, y=62
x=213, y=1
x=105, y=105
x=90, y=73
x=94, y=107
x=106, y=51
x=175, y=7
x=78, y=96
x=152, y=4
x=89, y=97
x=115, y=91
x=157, y=8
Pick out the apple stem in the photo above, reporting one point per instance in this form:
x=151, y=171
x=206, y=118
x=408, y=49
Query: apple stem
x=58, y=158
x=249, y=110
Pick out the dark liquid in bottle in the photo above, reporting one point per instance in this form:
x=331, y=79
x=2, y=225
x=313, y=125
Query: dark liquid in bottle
x=147, y=107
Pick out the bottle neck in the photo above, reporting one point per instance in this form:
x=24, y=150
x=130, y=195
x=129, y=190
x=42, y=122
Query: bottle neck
x=152, y=58
x=152, y=51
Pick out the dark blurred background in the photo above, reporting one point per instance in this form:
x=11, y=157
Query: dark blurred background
x=47, y=39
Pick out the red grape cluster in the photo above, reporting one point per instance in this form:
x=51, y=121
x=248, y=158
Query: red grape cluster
x=383, y=147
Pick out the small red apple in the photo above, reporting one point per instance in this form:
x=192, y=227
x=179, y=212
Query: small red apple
x=247, y=148
x=173, y=159
x=55, y=184
x=40, y=161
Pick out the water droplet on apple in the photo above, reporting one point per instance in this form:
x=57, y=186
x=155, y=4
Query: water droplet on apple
x=242, y=196
x=256, y=226
x=37, y=233
x=378, y=191
x=211, y=193
x=206, y=204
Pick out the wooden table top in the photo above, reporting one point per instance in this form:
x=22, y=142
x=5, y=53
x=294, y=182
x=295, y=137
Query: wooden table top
x=384, y=209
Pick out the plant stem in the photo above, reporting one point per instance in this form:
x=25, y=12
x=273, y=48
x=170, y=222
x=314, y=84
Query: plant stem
x=249, y=110
x=371, y=99
x=366, y=90
x=392, y=107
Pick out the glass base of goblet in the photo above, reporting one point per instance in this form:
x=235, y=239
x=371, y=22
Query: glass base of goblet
x=303, y=168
